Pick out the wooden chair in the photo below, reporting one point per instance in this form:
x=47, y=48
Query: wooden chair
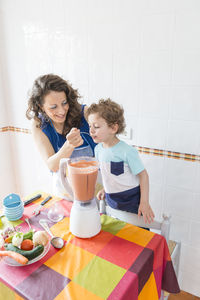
x=162, y=227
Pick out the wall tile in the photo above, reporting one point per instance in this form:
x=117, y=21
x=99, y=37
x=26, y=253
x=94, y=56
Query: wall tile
x=197, y=179
x=100, y=70
x=186, y=142
x=185, y=104
x=187, y=30
x=190, y=258
x=125, y=80
x=152, y=133
x=155, y=68
x=156, y=175
x=180, y=229
x=195, y=234
x=154, y=102
x=32, y=173
x=132, y=122
x=178, y=201
x=7, y=170
x=180, y=173
x=190, y=281
x=185, y=5
x=156, y=200
x=3, y=117
x=186, y=68
x=157, y=32
x=158, y=6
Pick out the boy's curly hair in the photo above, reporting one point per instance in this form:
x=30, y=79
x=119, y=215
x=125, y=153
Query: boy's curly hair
x=110, y=111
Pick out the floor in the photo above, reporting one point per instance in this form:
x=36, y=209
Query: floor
x=183, y=296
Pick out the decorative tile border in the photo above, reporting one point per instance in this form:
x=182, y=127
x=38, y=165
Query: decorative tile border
x=145, y=150
x=15, y=129
x=171, y=154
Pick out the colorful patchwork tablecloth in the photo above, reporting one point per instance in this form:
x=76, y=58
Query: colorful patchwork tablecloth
x=122, y=262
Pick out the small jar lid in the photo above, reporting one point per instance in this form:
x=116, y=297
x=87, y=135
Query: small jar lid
x=12, y=200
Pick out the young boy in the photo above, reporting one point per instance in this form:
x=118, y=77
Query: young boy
x=125, y=180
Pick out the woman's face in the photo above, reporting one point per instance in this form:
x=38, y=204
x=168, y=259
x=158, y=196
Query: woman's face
x=56, y=106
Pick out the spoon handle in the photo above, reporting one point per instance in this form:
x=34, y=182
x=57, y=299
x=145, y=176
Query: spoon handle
x=46, y=227
x=29, y=225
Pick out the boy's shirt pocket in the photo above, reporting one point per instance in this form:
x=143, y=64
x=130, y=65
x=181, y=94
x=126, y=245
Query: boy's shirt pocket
x=117, y=168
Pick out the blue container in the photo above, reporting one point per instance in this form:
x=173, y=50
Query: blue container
x=13, y=207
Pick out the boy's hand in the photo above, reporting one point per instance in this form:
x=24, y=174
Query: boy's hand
x=101, y=195
x=145, y=210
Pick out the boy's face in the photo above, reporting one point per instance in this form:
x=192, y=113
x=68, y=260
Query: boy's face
x=99, y=129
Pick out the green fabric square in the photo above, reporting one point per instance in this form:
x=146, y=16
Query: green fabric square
x=111, y=225
x=100, y=277
x=6, y=223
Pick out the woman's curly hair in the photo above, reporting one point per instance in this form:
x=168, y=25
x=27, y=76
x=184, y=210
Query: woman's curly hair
x=42, y=86
x=110, y=111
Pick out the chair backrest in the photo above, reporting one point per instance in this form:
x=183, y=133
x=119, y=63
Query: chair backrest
x=163, y=226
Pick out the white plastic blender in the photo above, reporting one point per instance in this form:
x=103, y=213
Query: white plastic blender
x=82, y=175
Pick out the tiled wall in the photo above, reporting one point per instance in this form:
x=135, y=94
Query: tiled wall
x=143, y=54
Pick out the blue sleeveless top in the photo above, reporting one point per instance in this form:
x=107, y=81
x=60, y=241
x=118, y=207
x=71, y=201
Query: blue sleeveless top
x=57, y=140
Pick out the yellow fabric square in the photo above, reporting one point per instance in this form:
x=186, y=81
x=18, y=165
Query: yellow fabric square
x=51, y=202
x=6, y=292
x=69, y=261
x=149, y=291
x=135, y=234
x=74, y=291
x=44, y=195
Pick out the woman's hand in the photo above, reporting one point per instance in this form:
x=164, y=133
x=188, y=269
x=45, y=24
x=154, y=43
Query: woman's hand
x=74, y=138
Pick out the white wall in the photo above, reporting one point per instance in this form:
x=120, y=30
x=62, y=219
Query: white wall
x=143, y=54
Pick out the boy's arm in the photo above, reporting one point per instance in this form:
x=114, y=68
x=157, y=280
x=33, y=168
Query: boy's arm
x=144, y=207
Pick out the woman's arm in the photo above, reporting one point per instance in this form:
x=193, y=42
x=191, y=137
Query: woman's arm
x=46, y=150
x=144, y=207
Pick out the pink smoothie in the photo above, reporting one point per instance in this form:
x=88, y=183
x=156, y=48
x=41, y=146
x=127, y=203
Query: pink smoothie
x=83, y=176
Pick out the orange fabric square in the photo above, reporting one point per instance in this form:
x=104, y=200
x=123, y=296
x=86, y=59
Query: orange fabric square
x=74, y=291
x=62, y=229
x=149, y=291
x=69, y=261
x=135, y=234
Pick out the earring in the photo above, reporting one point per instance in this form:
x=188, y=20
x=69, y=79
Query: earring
x=46, y=118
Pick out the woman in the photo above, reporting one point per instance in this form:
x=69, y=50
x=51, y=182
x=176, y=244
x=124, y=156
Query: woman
x=59, y=126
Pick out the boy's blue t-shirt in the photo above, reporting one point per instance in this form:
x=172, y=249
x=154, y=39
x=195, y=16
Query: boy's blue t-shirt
x=119, y=167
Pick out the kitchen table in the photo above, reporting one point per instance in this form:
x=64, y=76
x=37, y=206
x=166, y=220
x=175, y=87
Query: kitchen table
x=122, y=262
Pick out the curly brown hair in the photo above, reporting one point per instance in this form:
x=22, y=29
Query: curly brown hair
x=42, y=86
x=110, y=111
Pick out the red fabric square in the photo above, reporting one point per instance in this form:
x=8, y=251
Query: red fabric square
x=114, y=252
x=94, y=244
x=159, y=246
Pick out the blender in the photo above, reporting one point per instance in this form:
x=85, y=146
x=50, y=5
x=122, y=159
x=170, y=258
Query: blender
x=82, y=174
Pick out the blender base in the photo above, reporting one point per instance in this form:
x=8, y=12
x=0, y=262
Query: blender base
x=85, y=219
